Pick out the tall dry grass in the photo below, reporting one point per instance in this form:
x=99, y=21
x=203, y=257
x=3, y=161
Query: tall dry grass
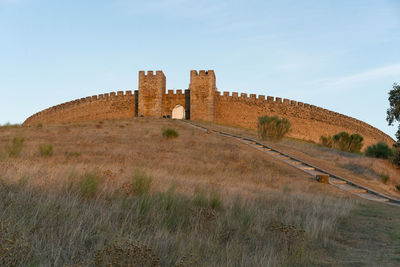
x=119, y=188
x=358, y=168
x=63, y=227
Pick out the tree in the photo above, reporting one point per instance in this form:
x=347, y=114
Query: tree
x=393, y=113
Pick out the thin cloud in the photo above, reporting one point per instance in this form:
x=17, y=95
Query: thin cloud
x=361, y=78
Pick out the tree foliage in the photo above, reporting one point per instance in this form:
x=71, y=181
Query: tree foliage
x=393, y=112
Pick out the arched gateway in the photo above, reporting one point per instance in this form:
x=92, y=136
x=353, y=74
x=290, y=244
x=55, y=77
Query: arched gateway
x=178, y=112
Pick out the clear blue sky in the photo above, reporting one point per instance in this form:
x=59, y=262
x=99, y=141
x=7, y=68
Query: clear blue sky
x=340, y=55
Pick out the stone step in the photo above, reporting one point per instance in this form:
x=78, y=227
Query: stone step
x=350, y=188
x=372, y=197
x=336, y=181
x=307, y=168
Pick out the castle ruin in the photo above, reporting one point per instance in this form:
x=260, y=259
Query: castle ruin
x=203, y=102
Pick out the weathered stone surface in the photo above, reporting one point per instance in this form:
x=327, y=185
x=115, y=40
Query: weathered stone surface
x=308, y=122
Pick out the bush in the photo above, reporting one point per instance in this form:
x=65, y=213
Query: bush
x=396, y=157
x=398, y=187
x=327, y=141
x=385, y=178
x=343, y=141
x=89, y=184
x=14, y=150
x=140, y=183
x=272, y=128
x=350, y=143
x=46, y=150
x=39, y=125
x=379, y=150
x=169, y=133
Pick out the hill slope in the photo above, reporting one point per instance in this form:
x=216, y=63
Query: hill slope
x=212, y=202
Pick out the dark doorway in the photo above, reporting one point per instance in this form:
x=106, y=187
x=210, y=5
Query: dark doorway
x=136, y=103
x=187, y=104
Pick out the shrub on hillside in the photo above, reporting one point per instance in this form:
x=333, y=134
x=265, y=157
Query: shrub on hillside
x=346, y=142
x=384, y=178
x=14, y=150
x=46, y=150
x=396, y=156
x=343, y=141
x=327, y=141
x=379, y=150
x=169, y=133
x=273, y=128
x=140, y=183
x=89, y=184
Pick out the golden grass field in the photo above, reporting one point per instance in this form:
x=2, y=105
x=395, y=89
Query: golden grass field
x=211, y=201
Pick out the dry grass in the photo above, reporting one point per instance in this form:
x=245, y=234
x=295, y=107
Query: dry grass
x=63, y=227
x=127, y=196
x=194, y=158
x=363, y=170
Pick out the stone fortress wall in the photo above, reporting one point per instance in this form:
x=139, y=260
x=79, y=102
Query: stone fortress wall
x=203, y=102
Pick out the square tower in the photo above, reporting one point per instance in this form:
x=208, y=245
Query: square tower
x=151, y=91
x=202, y=92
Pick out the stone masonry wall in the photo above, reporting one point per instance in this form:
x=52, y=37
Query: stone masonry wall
x=151, y=91
x=202, y=92
x=206, y=104
x=170, y=100
x=99, y=107
x=308, y=122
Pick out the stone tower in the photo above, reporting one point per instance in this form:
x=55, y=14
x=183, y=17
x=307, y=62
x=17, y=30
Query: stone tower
x=202, y=93
x=151, y=91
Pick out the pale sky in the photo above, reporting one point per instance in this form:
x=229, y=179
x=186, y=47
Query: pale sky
x=339, y=55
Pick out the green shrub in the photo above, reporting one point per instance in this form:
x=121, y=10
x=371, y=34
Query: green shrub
x=379, y=150
x=46, y=150
x=396, y=156
x=14, y=150
x=89, y=184
x=343, y=141
x=350, y=143
x=140, y=183
x=385, y=178
x=327, y=141
x=398, y=187
x=272, y=128
x=169, y=133
x=39, y=125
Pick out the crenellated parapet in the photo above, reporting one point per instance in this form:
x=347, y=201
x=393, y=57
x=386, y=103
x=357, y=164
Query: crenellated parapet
x=203, y=102
x=118, y=104
x=309, y=122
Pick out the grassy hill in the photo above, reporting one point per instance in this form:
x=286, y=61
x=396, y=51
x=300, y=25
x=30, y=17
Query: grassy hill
x=120, y=192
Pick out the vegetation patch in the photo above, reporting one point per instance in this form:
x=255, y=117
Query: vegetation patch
x=169, y=133
x=125, y=254
x=384, y=178
x=140, y=183
x=46, y=150
x=14, y=149
x=273, y=127
x=343, y=141
x=379, y=150
x=89, y=184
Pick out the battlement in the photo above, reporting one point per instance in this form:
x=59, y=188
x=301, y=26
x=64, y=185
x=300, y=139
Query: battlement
x=203, y=102
x=150, y=74
x=178, y=92
x=202, y=73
